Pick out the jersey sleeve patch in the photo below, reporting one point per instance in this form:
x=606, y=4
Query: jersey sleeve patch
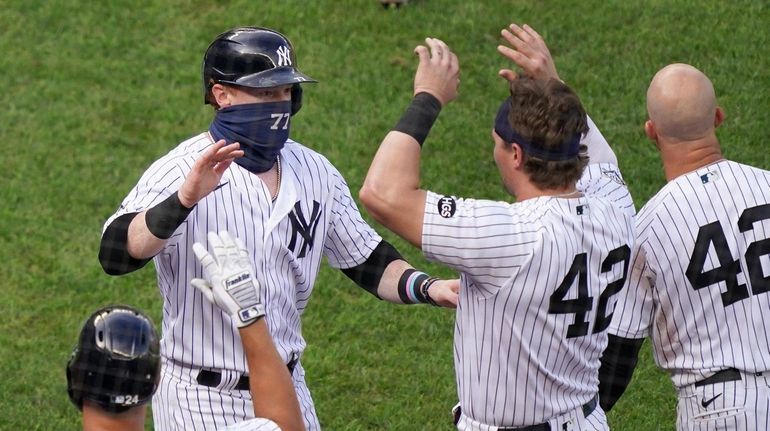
x=447, y=206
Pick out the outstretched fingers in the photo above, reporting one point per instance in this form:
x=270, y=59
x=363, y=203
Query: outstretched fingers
x=207, y=171
x=533, y=35
x=519, y=39
x=528, y=51
x=520, y=51
x=224, y=155
x=443, y=55
x=219, y=152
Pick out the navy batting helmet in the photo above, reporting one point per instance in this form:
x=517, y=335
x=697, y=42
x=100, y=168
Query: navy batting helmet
x=252, y=57
x=116, y=363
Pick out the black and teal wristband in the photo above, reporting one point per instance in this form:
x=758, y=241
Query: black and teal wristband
x=163, y=219
x=413, y=287
x=419, y=117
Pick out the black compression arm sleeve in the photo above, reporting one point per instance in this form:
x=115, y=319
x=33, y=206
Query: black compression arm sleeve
x=368, y=274
x=617, y=366
x=113, y=251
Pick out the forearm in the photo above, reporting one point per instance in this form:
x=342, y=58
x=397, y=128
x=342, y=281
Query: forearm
x=272, y=389
x=141, y=243
x=388, y=286
x=150, y=229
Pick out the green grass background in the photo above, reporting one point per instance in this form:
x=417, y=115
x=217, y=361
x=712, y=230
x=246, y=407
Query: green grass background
x=93, y=92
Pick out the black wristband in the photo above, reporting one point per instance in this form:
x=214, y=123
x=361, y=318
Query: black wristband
x=419, y=117
x=163, y=219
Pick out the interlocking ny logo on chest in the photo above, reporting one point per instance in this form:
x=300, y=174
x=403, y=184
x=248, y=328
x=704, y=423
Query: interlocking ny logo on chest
x=303, y=229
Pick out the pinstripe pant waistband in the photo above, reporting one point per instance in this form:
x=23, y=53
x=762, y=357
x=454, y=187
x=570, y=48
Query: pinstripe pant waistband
x=212, y=378
x=463, y=422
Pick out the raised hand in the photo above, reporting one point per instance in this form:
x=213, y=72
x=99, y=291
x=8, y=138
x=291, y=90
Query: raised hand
x=438, y=72
x=231, y=284
x=207, y=171
x=529, y=51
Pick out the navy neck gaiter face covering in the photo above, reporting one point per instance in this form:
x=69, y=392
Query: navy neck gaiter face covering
x=261, y=128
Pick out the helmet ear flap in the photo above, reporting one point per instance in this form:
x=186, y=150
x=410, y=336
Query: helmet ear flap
x=208, y=95
x=296, y=98
x=75, y=395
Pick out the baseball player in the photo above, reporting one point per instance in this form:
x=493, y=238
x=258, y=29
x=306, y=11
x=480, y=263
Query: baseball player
x=231, y=286
x=114, y=368
x=602, y=177
x=699, y=277
x=289, y=206
x=536, y=275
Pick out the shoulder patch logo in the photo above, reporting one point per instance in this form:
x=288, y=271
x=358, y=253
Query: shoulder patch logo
x=614, y=176
x=447, y=207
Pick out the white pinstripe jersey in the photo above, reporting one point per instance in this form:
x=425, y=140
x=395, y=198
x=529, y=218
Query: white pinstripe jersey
x=534, y=294
x=313, y=216
x=701, y=272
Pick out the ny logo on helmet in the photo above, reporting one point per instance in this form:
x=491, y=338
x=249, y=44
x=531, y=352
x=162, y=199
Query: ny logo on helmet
x=284, y=59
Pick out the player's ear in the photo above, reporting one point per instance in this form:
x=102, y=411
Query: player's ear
x=221, y=95
x=517, y=155
x=719, y=117
x=649, y=130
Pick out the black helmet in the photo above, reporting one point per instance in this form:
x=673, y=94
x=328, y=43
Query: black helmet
x=116, y=363
x=250, y=57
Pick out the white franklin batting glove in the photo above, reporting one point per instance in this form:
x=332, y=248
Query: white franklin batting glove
x=231, y=284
